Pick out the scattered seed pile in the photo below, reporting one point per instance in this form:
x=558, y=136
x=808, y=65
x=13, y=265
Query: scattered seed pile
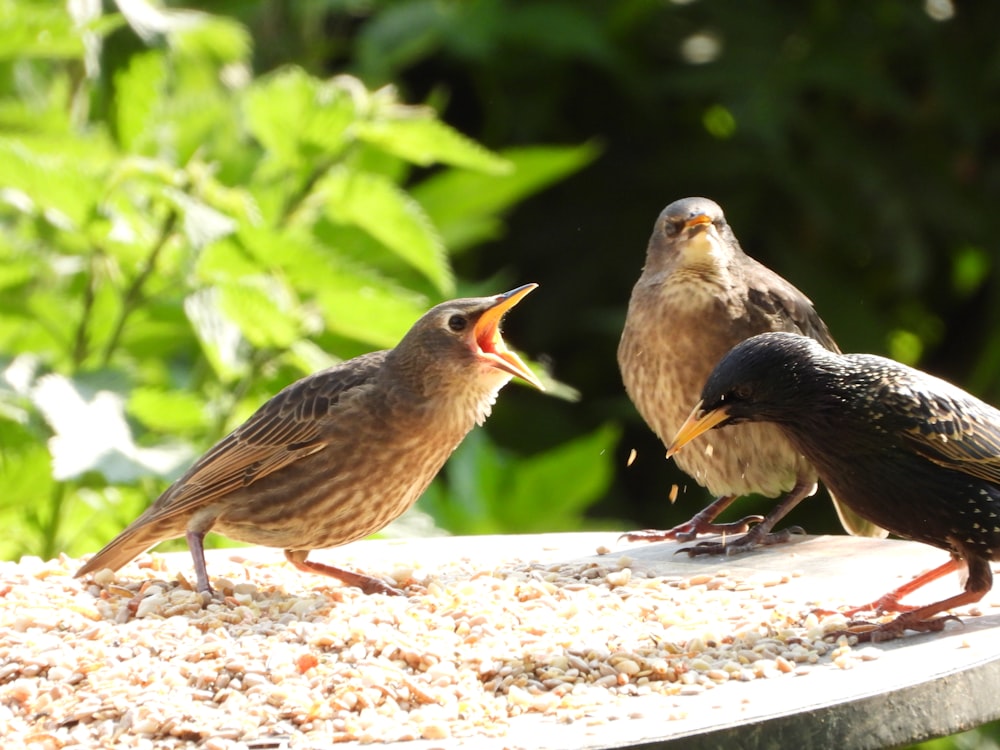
x=138, y=660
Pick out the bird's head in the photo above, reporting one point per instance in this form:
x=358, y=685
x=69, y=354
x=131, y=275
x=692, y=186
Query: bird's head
x=691, y=233
x=772, y=377
x=460, y=342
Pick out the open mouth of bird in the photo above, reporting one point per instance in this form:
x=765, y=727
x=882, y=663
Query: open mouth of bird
x=491, y=344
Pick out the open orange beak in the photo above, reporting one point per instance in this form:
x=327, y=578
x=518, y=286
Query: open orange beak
x=491, y=343
x=696, y=423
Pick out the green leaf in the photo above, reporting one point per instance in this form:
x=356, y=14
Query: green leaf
x=202, y=224
x=463, y=204
x=476, y=477
x=220, y=337
x=489, y=491
x=54, y=181
x=15, y=272
x=566, y=480
x=37, y=30
x=367, y=307
x=426, y=141
x=222, y=40
x=138, y=89
x=355, y=302
x=391, y=216
x=27, y=483
x=308, y=358
x=289, y=109
x=40, y=107
x=263, y=310
x=165, y=411
x=400, y=34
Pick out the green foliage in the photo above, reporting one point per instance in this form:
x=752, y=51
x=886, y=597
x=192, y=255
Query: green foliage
x=180, y=238
x=489, y=491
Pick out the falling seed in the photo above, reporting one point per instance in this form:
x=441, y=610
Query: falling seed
x=631, y=457
x=673, y=494
x=709, y=450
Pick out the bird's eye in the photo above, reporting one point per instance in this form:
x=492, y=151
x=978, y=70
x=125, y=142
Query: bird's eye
x=458, y=323
x=743, y=392
x=672, y=228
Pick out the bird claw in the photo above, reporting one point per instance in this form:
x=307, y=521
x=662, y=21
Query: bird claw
x=375, y=586
x=746, y=543
x=873, y=632
x=690, y=530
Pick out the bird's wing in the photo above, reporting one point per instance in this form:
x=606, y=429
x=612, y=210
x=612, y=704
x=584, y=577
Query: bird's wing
x=284, y=430
x=957, y=432
x=787, y=308
x=782, y=302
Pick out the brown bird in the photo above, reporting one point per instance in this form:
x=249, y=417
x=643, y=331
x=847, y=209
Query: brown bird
x=337, y=455
x=908, y=451
x=699, y=295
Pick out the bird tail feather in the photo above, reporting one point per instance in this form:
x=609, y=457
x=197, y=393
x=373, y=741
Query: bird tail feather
x=125, y=547
x=854, y=524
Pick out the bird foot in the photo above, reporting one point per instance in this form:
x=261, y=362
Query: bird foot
x=367, y=584
x=887, y=603
x=746, y=543
x=690, y=530
x=872, y=632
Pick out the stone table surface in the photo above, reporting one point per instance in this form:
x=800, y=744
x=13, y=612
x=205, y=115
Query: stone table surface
x=274, y=660
x=921, y=686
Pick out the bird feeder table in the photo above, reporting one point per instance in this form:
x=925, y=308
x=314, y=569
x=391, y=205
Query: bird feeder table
x=536, y=641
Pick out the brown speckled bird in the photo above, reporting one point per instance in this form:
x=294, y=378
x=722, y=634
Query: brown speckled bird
x=337, y=455
x=908, y=451
x=699, y=294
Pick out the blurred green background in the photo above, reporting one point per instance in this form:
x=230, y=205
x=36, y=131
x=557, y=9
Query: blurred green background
x=200, y=203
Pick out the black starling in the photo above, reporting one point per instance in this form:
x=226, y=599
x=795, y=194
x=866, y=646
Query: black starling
x=698, y=296
x=906, y=450
x=336, y=456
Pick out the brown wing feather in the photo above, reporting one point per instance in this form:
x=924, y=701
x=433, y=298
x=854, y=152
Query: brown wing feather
x=781, y=299
x=281, y=432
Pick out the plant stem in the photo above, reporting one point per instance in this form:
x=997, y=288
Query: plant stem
x=133, y=295
x=81, y=344
x=296, y=200
x=50, y=529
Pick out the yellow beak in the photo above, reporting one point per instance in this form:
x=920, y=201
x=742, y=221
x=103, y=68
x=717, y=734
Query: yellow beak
x=491, y=343
x=696, y=423
x=697, y=220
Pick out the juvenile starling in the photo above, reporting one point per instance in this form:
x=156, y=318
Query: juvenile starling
x=337, y=455
x=699, y=295
x=906, y=450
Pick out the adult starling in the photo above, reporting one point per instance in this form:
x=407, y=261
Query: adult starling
x=699, y=295
x=906, y=450
x=337, y=455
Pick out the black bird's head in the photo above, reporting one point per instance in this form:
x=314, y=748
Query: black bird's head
x=773, y=377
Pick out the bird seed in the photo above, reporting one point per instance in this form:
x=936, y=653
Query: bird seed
x=138, y=660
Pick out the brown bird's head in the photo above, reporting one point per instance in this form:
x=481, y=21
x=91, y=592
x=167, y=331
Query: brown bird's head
x=456, y=350
x=691, y=234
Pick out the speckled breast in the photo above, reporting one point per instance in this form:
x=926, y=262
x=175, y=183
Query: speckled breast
x=666, y=354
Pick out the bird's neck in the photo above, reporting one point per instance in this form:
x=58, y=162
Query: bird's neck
x=444, y=402
x=694, y=289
